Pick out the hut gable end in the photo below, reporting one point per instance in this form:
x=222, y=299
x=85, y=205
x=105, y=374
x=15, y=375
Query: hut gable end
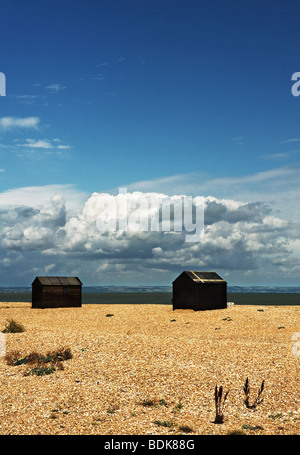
x=199, y=290
x=200, y=277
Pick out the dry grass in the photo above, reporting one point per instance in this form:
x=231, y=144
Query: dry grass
x=150, y=370
x=41, y=364
x=13, y=327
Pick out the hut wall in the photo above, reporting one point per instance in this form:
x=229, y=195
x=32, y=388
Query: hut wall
x=184, y=292
x=188, y=294
x=44, y=296
x=211, y=296
x=61, y=296
x=37, y=296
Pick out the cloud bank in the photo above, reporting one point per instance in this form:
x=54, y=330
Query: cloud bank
x=244, y=241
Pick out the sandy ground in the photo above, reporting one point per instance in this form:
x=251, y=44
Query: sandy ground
x=147, y=369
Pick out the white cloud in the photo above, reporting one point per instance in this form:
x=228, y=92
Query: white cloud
x=196, y=182
x=8, y=123
x=278, y=187
x=55, y=88
x=63, y=147
x=39, y=196
x=238, y=140
x=27, y=99
x=289, y=141
x=55, y=228
x=277, y=156
x=239, y=236
x=43, y=144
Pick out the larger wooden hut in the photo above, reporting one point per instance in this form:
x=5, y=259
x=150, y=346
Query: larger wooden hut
x=199, y=291
x=56, y=292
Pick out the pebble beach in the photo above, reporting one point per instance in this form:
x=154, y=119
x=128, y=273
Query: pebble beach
x=148, y=370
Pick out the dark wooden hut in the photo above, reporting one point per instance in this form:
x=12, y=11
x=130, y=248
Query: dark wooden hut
x=56, y=292
x=199, y=291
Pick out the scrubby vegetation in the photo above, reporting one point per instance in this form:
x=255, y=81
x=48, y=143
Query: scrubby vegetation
x=38, y=361
x=13, y=327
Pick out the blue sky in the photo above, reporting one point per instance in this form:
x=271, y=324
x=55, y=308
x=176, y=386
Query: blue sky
x=175, y=97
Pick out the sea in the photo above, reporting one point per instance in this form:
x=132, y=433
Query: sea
x=239, y=295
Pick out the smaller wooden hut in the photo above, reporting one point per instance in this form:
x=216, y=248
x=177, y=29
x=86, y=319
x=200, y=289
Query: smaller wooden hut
x=199, y=291
x=56, y=292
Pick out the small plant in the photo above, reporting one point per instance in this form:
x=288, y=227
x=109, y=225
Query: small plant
x=148, y=402
x=58, y=356
x=185, y=429
x=251, y=427
x=220, y=404
x=112, y=409
x=275, y=416
x=10, y=357
x=235, y=433
x=41, y=371
x=162, y=402
x=164, y=423
x=13, y=327
x=177, y=407
x=257, y=400
x=32, y=358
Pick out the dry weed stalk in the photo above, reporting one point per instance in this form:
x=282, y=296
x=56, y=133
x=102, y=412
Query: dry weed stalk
x=257, y=400
x=220, y=404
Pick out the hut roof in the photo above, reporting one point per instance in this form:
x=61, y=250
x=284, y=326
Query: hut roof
x=58, y=280
x=203, y=277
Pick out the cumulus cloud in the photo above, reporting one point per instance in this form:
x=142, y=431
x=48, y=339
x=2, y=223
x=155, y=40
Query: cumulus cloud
x=39, y=196
x=7, y=123
x=239, y=238
x=29, y=229
x=276, y=188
